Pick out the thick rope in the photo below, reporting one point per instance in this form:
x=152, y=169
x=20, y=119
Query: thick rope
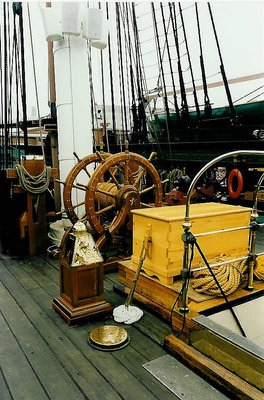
x=259, y=271
x=230, y=276
x=33, y=184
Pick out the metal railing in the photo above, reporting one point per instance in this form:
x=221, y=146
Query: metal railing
x=186, y=272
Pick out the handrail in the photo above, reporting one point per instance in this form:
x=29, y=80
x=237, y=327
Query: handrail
x=187, y=225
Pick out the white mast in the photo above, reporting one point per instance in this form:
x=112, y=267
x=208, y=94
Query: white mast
x=69, y=25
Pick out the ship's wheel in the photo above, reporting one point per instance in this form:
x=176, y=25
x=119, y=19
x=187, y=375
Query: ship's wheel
x=122, y=182
x=80, y=173
x=118, y=184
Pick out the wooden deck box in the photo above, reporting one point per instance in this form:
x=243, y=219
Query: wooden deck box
x=165, y=258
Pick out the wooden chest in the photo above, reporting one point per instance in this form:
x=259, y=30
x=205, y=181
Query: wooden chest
x=165, y=258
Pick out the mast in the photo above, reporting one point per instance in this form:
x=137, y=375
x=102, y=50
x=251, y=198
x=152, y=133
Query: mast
x=207, y=105
x=17, y=8
x=222, y=69
x=165, y=98
x=184, y=104
x=170, y=64
x=190, y=65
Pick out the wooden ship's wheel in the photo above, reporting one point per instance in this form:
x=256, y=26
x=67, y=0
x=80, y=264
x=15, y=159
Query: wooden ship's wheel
x=123, y=182
x=120, y=183
x=79, y=173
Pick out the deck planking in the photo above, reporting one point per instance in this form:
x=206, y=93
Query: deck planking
x=57, y=359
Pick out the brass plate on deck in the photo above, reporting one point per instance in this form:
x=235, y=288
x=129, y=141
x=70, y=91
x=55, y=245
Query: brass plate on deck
x=109, y=337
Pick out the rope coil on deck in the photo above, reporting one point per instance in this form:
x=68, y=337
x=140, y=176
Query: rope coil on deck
x=230, y=276
x=259, y=270
x=33, y=184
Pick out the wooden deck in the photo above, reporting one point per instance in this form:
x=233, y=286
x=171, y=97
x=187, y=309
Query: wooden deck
x=41, y=357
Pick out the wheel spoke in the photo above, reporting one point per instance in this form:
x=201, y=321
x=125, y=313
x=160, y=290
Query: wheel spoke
x=103, y=210
x=147, y=189
x=146, y=205
x=114, y=178
x=126, y=181
x=140, y=174
x=114, y=172
x=87, y=172
x=72, y=207
x=84, y=168
x=105, y=192
x=79, y=186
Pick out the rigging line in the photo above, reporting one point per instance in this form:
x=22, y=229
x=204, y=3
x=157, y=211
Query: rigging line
x=188, y=7
x=190, y=64
x=17, y=144
x=144, y=86
x=150, y=26
x=135, y=32
x=19, y=12
x=91, y=90
x=19, y=83
x=207, y=105
x=170, y=64
x=35, y=82
x=163, y=51
x=164, y=62
x=165, y=99
x=253, y=98
x=10, y=68
x=149, y=40
x=222, y=69
x=129, y=53
x=5, y=88
x=111, y=75
x=128, y=72
x=121, y=75
x=140, y=76
x=10, y=64
x=120, y=65
x=131, y=76
x=253, y=91
x=142, y=15
x=105, y=133
x=137, y=117
x=1, y=95
x=137, y=51
x=157, y=45
x=184, y=103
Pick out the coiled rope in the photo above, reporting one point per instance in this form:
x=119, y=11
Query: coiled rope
x=33, y=184
x=229, y=276
x=259, y=271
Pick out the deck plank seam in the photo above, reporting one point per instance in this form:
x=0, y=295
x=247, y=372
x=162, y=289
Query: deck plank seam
x=21, y=348
x=6, y=383
x=63, y=334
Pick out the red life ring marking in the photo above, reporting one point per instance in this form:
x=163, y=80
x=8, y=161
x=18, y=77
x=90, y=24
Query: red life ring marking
x=235, y=174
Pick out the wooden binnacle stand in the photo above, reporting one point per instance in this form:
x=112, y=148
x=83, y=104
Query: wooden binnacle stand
x=81, y=278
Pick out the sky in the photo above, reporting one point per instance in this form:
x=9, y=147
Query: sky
x=240, y=31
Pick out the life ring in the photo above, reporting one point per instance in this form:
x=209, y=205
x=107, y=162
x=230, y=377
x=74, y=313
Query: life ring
x=235, y=173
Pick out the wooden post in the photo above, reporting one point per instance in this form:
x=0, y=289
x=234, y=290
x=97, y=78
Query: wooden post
x=32, y=222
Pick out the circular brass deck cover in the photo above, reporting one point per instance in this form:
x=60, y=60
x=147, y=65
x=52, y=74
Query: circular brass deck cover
x=108, y=336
